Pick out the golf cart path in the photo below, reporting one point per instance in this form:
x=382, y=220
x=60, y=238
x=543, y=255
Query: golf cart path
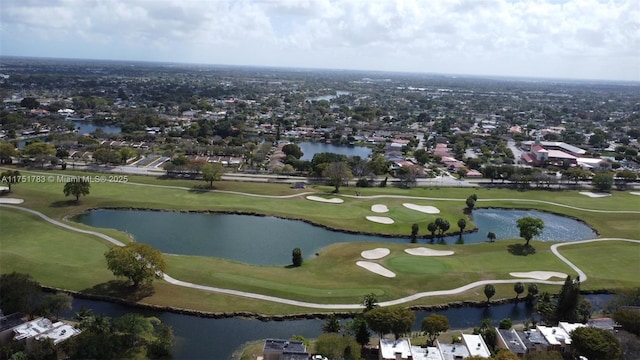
x=171, y=280
x=363, y=196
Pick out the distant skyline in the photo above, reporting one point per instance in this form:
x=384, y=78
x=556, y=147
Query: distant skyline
x=564, y=39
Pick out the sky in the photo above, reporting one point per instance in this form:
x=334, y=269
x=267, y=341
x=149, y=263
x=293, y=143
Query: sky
x=566, y=39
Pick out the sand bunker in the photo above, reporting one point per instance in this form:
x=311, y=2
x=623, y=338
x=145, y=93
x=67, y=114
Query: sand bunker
x=380, y=219
x=374, y=254
x=321, y=199
x=634, y=193
x=423, y=251
x=376, y=268
x=379, y=208
x=11, y=201
x=539, y=275
x=593, y=195
x=424, y=209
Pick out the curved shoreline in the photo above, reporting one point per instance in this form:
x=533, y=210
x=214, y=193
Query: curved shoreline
x=398, y=301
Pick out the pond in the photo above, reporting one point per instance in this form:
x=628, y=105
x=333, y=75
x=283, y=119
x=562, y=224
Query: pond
x=207, y=338
x=311, y=148
x=264, y=240
x=87, y=127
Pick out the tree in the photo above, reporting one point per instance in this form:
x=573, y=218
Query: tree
x=462, y=172
x=369, y=301
x=19, y=293
x=140, y=263
x=432, y=227
x=77, y=188
x=602, y=181
x=471, y=203
x=408, y=175
x=10, y=177
x=595, y=344
x=504, y=354
x=462, y=223
x=443, y=225
x=491, y=236
x=40, y=152
x=125, y=154
x=422, y=156
x=106, y=156
x=401, y=321
x=505, y=324
x=518, y=288
x=530, y=227
x=296, y=255
x=292, y=150
x=212, y=172
x=336, y=346
x=378, y=320
x=566, y=308
x=434, y=325
x=331, y=324
x=415, y=228
x=358, y=329
x=489, y=291
x=337, y=174
x=56, y=303
x=30, y=103
x=629, y=319
x=7, y=152
x=125, y=337
x=532, y=292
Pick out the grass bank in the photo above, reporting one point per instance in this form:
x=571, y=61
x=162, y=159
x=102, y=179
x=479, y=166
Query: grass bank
x=62, y=258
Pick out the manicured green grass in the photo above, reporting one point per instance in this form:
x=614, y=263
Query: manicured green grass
x=61, y=258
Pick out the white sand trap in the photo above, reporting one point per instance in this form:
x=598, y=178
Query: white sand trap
x=379, y=208
x=634, y=193
x=424, y=209
x=593, y=195
x=381, y=219
x=10, y=201
x=374, y=254
x=321, y=199
x=539, y=275
x=376, y=268
x=423, y=251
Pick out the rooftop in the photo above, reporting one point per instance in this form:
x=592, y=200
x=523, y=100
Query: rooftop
x=512, y=340
x=389, y=348
x=476, y=345
x=288, y=346
x=428, y=353
x=530, y=338
x=555, y=335
x=453, y=351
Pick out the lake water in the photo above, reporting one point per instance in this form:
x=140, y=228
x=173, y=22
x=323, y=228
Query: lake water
x=265, y=240
x=311, y=148
x=207, y=338
x=87, y=127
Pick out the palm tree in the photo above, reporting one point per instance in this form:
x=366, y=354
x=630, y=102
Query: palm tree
x=432, y=227
x=489, y=291
x=462, y=223
x=518, y=288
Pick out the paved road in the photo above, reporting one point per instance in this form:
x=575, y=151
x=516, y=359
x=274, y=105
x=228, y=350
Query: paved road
x=171, y=280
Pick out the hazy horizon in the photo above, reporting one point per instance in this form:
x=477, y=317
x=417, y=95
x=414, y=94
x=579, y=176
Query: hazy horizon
x=537, y=39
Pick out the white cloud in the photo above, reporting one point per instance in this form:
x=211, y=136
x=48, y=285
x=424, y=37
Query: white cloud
x=574, y=38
